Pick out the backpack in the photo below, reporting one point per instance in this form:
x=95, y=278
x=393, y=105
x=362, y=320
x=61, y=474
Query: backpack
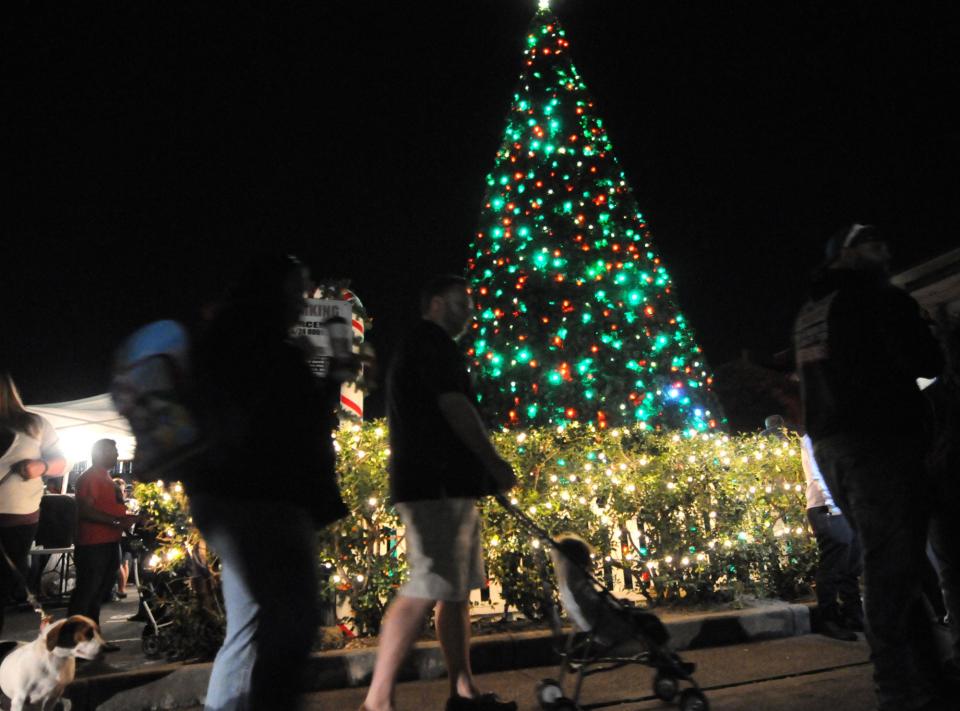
x=150, y=388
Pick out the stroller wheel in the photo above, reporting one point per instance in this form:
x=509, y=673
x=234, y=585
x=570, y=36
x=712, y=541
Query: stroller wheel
x=693, y=700
x=151, y=643
x=549, y=693
x=665, y=687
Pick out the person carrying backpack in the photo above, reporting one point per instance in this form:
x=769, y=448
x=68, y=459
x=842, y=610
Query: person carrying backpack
x=265, y=483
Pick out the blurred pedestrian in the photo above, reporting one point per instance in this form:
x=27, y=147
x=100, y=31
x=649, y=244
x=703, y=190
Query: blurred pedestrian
x=442, y=460
x=29, y=449
x=268, y=482
x=860, y=346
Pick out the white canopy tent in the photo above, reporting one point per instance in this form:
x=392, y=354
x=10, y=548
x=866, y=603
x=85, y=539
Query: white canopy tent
x=80, y=423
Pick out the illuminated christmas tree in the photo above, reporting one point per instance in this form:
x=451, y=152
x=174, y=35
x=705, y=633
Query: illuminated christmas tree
x=576, y=315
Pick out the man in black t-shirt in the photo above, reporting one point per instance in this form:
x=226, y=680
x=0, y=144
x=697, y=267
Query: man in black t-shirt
x=441, y=462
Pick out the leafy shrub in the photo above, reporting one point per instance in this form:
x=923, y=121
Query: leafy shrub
x=677, y=519
x=685, y=519
x=180, y=568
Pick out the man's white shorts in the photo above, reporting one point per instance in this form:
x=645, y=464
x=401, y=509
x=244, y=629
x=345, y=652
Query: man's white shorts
x=443, y=548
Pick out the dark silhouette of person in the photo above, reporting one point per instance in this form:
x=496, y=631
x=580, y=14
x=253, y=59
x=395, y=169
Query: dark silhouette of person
x=266, y=484
x=860, y=345
x=944, y=461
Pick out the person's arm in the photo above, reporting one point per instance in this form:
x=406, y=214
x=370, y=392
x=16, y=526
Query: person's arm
x=33, y=468
x=909, y=338
x=55, y=466
x=465, y=421
x=51, y=461
x=88, y=511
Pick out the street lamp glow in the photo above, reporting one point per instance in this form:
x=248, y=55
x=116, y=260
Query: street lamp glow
x=543, y=5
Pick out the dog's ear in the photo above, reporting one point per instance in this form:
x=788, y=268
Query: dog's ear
x=53, y=633
x=70, y=632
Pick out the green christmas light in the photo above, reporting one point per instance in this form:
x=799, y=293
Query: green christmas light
x=566, y=278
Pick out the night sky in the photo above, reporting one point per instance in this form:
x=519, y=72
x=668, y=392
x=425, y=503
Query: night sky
x=150, y=148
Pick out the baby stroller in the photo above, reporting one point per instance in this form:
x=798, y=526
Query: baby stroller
x=153, y=640
x=611, y=634
x=183, y=613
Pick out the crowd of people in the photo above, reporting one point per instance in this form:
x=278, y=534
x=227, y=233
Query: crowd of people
x=262, y=410
x=97, y=514
x=266, y=412
x=266, y=481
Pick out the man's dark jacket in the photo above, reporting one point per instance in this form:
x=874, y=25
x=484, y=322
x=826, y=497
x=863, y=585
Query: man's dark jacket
x=861, y=343
x=267, y=418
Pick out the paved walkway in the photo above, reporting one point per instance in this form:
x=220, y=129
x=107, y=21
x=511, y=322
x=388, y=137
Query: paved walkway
x=805, y=673
x=789, y=670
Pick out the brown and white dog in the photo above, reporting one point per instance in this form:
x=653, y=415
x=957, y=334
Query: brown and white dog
x=37, y=672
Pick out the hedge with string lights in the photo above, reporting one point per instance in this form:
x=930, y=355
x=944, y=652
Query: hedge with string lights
x=676, y=519
x=673, y=519
x=179, y=569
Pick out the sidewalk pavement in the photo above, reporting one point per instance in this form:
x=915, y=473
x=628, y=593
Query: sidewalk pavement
x=804, y=673
x=118, y=683
x=22, y=624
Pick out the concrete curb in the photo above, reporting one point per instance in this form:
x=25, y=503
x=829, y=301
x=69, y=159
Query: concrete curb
x=175, y=686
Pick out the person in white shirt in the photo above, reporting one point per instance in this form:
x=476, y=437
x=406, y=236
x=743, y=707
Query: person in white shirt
x=838, y=573
x=29, y=449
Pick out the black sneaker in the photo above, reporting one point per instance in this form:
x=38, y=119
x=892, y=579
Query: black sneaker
x=484, y=702
x=852, y=619
x=853, y=623
x=110, y=647
x=829, y=628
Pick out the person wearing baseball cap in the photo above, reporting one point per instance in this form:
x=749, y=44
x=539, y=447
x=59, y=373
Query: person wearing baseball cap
x=860, y=345
x=858, y=247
